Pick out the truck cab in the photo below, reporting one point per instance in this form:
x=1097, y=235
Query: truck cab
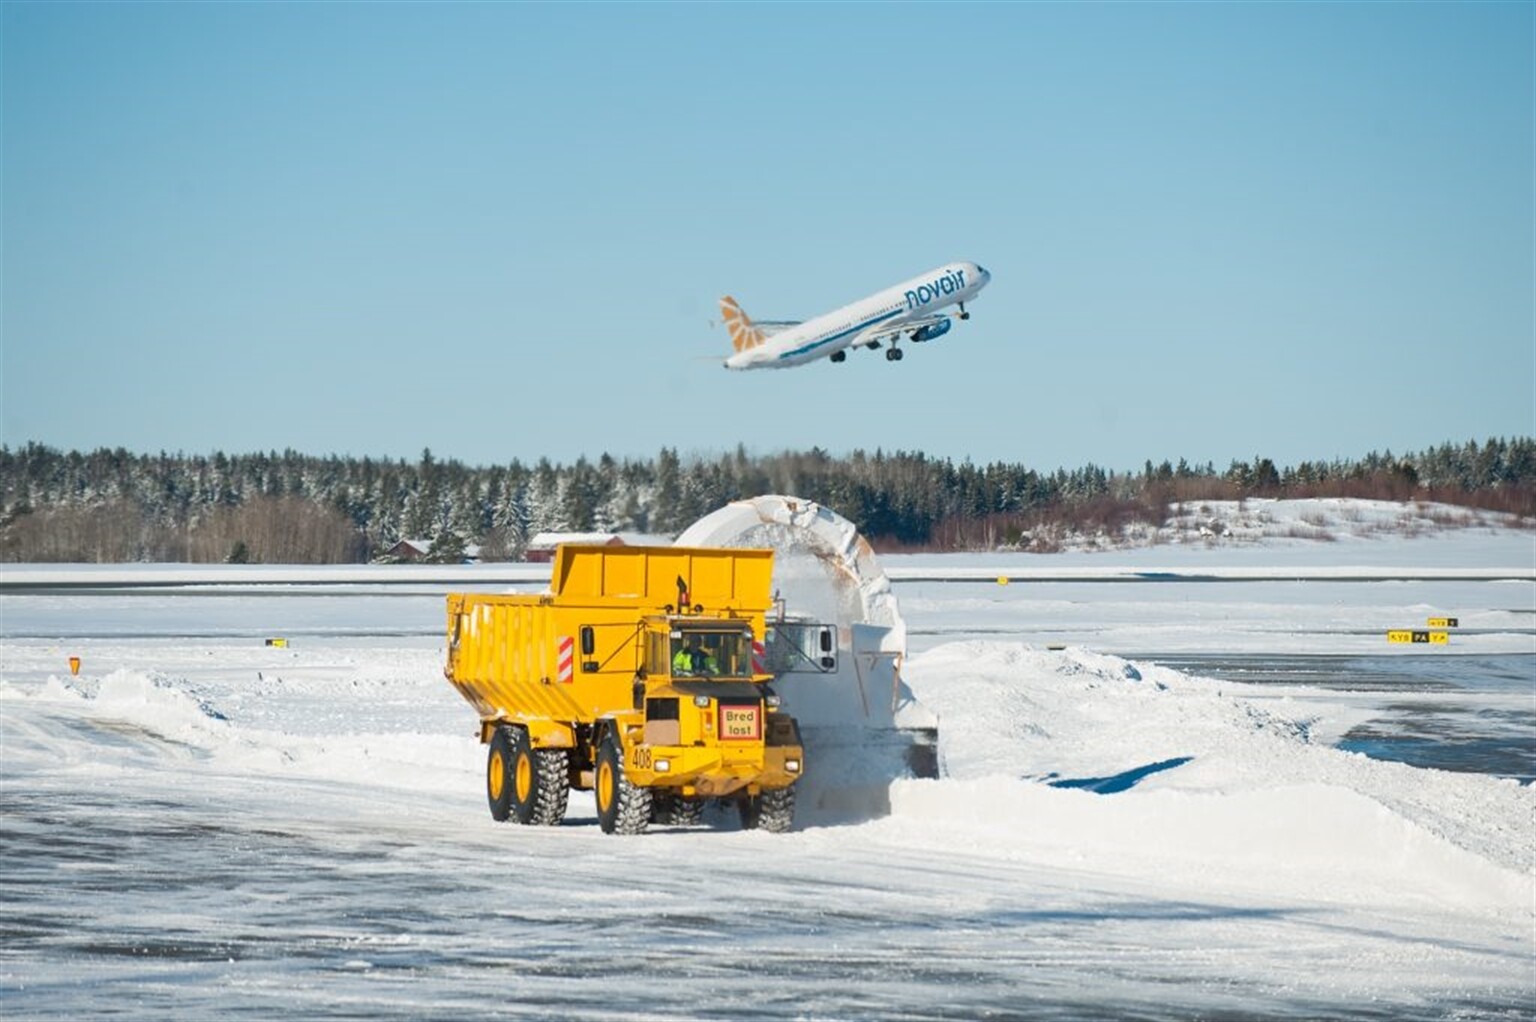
x=689, y=648
x=711, y=726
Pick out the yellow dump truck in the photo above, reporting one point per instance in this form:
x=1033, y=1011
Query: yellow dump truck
x=639, y=675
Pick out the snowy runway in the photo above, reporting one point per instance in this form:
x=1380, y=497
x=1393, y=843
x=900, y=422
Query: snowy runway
x=210, y=827
x=175, y=875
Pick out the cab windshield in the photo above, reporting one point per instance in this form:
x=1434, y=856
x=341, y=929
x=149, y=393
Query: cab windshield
x=705, y=654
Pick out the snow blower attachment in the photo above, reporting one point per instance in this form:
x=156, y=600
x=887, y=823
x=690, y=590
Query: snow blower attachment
x=835, y=644
x=640, y=676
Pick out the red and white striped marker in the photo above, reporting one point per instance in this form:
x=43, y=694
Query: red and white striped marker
x=567, y=661
x=759, y=658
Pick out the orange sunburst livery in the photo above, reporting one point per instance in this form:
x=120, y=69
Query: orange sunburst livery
x=743, y=334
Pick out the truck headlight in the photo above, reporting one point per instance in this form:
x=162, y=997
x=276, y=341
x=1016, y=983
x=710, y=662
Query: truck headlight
x=772, y=699
x=701, y=701
x=663, y=766
x=792, y=765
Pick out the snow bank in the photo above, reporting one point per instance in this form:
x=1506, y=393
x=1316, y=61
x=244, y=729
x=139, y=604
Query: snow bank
x=1274, y=523
x=152, y=712
x=1317, y=841
x=150, y=700
x=1069, y=756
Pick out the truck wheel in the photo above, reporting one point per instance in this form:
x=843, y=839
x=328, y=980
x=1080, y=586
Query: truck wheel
x=773, y=811
x=498, y=776
x=622, y=808
x=523, y=784
x=670, y=809
x=688, y=812
x=552, y=789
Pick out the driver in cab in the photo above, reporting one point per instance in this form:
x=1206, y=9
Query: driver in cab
x=690, y=659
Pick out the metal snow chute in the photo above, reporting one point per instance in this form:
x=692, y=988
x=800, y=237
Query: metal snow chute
x=835, y=643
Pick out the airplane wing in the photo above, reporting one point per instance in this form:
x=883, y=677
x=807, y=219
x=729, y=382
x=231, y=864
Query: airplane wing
x=877, y=335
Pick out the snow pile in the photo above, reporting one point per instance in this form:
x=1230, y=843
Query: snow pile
x=1069, y=757
x=153, y=714
x=1275, y=522
x=1320, y=519
x=150, y=700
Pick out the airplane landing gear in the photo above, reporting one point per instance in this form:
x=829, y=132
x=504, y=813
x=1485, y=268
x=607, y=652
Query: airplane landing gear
x=838, y=356
x=894, y=354
x=963, y=313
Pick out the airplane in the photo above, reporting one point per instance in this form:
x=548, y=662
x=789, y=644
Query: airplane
x=909, y=310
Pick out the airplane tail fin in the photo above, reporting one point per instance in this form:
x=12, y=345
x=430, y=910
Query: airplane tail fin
x=744, y=334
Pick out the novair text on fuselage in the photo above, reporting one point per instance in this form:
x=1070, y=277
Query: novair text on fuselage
x=948, y=284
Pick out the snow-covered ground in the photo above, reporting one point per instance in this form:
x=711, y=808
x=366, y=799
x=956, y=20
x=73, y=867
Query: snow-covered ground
x=1271, y=521
x=1264, y=592
x=200, y=825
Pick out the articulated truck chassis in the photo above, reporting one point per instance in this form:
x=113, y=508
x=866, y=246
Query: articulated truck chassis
x=641, y=676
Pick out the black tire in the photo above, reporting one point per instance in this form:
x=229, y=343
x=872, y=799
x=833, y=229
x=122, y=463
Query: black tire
x=773, y=811
x=688, y=812
x=622, y=808
x=670, y=809
x=534, y=784
x=498, y=775
x=552, y=790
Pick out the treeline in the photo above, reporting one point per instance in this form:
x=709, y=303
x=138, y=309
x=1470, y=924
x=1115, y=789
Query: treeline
x=112, y=506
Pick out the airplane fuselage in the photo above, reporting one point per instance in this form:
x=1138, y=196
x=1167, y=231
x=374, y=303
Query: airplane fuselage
x=883, y=314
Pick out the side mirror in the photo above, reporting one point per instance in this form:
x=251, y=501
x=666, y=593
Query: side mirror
x=826, y=640
x=588, y=641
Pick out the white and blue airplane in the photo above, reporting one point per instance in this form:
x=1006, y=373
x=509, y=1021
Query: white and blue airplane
x=910, y=310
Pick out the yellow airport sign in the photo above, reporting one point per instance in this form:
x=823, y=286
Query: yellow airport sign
x=1443, y=622
x=1405, y=635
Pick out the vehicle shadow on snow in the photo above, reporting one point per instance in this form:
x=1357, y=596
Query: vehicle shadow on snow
x=1112, y=785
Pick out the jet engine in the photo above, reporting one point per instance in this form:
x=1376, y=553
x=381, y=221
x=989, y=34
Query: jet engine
x=931, y=331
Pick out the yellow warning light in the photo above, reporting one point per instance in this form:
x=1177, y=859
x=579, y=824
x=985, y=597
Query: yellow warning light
x=74, y=665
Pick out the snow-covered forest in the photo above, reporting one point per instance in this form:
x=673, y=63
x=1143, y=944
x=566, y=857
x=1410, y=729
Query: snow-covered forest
x=113, y=506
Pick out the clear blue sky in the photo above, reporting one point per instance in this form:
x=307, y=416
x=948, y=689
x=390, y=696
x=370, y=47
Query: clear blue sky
x=499, y=230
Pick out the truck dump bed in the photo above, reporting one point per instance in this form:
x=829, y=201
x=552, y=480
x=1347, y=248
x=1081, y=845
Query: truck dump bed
x=567, y=655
